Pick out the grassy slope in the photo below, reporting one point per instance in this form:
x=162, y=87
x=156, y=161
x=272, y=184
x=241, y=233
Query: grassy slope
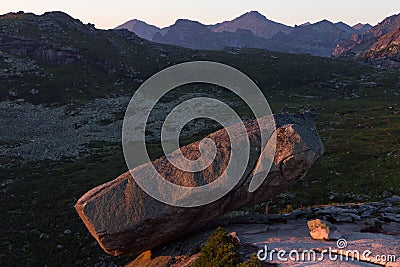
x=361, y=135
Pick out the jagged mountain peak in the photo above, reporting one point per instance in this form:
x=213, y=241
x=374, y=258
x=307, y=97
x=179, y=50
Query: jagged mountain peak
x=345, y=27
x=324, y=26
x=253, y=15
x=324, y=22
x=360, y=26
x=253, y=21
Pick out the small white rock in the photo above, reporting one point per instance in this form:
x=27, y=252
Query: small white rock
x=67, y=232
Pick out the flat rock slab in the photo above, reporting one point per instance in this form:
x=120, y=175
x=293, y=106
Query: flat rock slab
x=290, y=232
x=125, y=220
x=295, y=235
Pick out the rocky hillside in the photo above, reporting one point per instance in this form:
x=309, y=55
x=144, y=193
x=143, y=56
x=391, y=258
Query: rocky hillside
x=56, y=58
x=250, y=30
x=387, y=46
x=379, y=45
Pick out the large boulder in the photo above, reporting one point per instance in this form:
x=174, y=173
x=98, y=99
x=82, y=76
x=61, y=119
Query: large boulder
x=126, y=220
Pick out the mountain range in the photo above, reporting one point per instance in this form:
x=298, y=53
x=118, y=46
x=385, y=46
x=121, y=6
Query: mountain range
x=251, y=30
x=54, y=58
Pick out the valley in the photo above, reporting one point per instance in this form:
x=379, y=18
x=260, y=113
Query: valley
x=65, y=86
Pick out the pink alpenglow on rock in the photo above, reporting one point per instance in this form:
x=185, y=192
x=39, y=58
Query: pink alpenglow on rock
x=126, y=220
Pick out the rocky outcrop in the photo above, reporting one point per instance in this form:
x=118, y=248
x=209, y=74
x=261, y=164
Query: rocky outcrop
x=124, y=219
x=385, y=51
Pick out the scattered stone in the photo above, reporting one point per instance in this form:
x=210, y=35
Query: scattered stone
x=323, y=230
x=299, y=214
x=366, y=207
x=44, y=236
x=367, y=213
x=372, y=226
x=393, y=200
x=34, y=91
x=390, y=217
x=56, y=133
x=346, y=217
x=391, y=228
x=67, y=232
x=396, y=210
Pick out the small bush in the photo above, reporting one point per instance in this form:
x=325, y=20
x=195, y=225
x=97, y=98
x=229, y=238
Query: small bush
x=221, y=250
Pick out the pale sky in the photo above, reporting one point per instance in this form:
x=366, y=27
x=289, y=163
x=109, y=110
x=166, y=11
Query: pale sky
x=109, y=14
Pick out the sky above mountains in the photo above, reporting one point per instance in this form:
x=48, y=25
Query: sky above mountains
x=109, y=14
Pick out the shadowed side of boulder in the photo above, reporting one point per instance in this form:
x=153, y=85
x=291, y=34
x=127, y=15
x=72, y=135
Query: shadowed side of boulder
x=125, y=220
